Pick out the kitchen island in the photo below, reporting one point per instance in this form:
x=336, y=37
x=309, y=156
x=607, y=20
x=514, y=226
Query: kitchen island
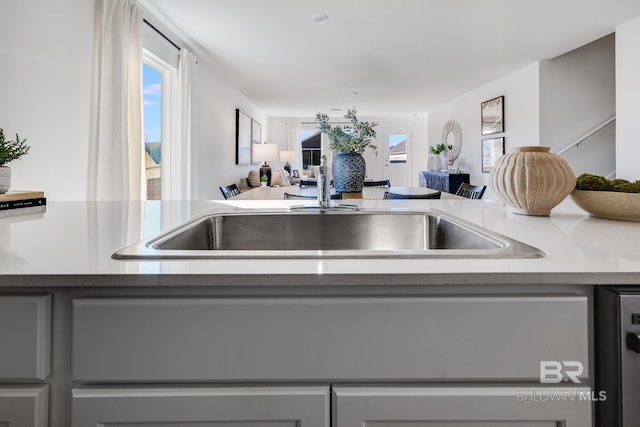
x=75, y=240
x=298, y=341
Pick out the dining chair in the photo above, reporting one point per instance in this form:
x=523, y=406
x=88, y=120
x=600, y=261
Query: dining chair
x=471, y=191
x=383, y=183
x=388, y=195
x=229, y=191
x=289, y=196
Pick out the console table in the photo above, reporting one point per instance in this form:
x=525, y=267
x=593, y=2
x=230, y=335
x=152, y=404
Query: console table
x=443, y=181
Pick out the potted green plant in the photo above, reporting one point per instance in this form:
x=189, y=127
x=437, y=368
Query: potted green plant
x=10, y=150
x=439, y=157
x=264, y=180
x=348, y=142
x=435, y=163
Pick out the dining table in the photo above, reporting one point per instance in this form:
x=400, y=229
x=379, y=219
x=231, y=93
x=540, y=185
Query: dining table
x=368, y=193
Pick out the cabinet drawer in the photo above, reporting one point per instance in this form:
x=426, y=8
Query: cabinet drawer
x=201, y=406
x=24, y=406
x=462, y=406
x=25, y=336
x=434, y=338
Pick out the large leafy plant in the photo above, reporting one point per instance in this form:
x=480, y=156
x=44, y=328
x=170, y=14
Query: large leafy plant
x=353, y=137
x=11, y=150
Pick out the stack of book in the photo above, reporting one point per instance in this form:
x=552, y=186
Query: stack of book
x=21, y=199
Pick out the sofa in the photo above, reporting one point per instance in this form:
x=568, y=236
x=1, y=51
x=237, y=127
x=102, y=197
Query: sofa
x=279, y=178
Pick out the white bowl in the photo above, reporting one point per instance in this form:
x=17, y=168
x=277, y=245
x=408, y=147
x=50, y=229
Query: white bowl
x=609, y=204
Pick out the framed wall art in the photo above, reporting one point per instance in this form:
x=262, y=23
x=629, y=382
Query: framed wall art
x=492, y=116
x=492, y=149
x=243, y=138
x=256, y=134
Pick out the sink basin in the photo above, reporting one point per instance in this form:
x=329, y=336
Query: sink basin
x=327, y=234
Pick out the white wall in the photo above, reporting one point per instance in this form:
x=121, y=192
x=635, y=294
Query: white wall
x=283, y=131
x=419, y=126
x=628, y=100
x=45, y=81
x=46, y=51
x=214, y=128
x=521, y=118
x=577, y=94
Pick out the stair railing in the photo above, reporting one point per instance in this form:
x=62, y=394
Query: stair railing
x=577, y=142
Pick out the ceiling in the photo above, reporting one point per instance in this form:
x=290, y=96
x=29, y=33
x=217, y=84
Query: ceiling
x=387, y=57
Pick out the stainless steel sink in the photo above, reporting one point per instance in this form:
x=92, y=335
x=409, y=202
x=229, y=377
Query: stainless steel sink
x=327, y=234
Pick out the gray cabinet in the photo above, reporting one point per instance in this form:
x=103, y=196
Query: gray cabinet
x=453, y=360
x=200, y=406
x=443, y=181
x=25, y=356
x=24, y=406
x=25, y=336
x=461, y=406
x=320, y=339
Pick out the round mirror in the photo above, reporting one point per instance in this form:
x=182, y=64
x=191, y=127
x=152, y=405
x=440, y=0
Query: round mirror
x=452, y=137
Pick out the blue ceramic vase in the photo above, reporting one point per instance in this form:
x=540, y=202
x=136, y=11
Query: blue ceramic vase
x=348, y=172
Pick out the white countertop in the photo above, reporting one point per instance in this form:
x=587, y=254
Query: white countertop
x=75, y=240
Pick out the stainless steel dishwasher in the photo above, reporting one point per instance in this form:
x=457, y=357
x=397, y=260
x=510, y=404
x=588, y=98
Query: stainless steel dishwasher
x=618, y=355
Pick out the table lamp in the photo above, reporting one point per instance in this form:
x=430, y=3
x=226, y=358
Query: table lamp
x=287, y=156
x=264, y=153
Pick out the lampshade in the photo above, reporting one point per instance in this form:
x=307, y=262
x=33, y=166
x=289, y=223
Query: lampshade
x=265, y=152
x=287, y=156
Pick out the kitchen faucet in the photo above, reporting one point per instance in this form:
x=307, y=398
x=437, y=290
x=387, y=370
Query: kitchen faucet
x=324, y=193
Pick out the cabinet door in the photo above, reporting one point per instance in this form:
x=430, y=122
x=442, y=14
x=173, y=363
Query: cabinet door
x=463, y=339
x=25, y=331
x=461, y=406
x=201, y=407
x=24, y=406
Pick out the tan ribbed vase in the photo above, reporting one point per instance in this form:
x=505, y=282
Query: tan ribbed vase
x=532, y=180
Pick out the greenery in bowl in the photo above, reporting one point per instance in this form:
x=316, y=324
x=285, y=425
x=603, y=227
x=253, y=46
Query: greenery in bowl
x=590, y=182
x=11, y=150
x=354, y=137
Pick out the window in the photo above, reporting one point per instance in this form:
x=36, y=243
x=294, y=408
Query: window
x=311, y=148
x=397, y=148
x=152, y=124
x=158, y=77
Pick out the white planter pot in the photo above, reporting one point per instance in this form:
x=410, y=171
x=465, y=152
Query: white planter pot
x=436, y=162
x=5, y=179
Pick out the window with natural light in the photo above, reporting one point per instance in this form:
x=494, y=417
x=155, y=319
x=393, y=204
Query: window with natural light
x=152, y=125
x=158, y=78
x=397, y=148
x=311, y=142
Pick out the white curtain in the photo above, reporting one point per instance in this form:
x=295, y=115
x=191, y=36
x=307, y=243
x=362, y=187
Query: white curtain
x=184, y=170
x=116, y=160
x=297, y=147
